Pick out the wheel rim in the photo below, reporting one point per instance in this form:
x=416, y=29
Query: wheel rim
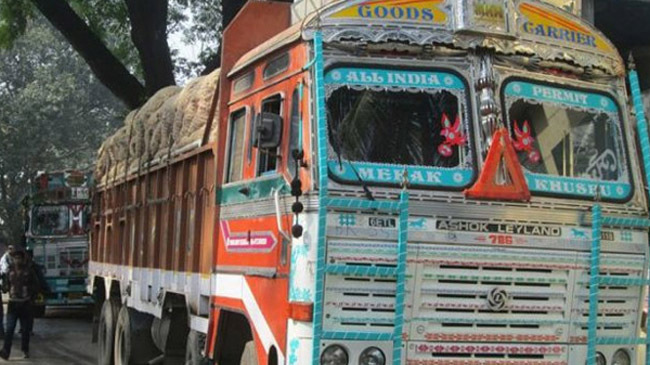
x=188, y=358
x=103, y=335
x=189, y=353
x=119, y=347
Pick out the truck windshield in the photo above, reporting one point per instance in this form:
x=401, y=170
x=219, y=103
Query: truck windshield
x=568, y=141
x=50, y=220
x=385, y=121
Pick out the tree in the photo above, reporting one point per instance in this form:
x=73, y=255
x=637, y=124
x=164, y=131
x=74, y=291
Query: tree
x=54, y=115
x=125, y=42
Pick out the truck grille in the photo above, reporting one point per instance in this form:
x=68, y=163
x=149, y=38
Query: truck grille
x=359, y=303
x=456, y=300
x=475, y=296
x=618, y=306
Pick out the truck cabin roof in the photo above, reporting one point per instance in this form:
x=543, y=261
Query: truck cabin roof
x=536, y=31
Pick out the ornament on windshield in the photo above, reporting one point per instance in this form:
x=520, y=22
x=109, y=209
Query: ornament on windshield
x=453, y=134
x=524, y=141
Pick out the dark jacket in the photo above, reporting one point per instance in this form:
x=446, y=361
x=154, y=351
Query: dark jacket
x=23, y=282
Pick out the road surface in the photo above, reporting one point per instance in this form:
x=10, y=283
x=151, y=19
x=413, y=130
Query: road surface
x=63, y=337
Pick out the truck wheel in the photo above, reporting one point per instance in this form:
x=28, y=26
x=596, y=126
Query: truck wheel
x=39, y=311
x=106, y=329
x=193, y=350
x=133, y=344
x=249, y=357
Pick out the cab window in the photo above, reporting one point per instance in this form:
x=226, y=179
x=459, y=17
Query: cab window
x=294, y=130
x=276, y=66
x=251, y=136
x=236, y=145
x=268, y=157
x=568, y=140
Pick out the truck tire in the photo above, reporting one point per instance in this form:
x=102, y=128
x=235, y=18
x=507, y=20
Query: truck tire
x=193, y=350
x=249, y=357
x=133, y=344
x=106, y=331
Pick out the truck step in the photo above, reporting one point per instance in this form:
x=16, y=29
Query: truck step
x=356, y=270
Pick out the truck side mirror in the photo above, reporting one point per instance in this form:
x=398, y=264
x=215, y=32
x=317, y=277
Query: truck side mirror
x=268, y=130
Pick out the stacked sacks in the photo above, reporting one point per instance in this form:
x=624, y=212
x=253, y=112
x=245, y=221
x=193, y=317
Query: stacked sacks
x=193, y=109
x=170, y=120
x=112, y=155
x=151, y=116
x=161, y=138
x=118, y=150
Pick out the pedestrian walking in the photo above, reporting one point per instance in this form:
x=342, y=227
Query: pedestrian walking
x=43, y=289
x=5, y=260
x=22, y=287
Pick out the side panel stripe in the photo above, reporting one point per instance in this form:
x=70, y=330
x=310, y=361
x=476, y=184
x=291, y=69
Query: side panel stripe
x=321, y=123
x=401, y=277
x=593, y=285
x=642, y=128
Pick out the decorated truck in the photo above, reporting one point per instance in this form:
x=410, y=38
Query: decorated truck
x=421, y=182
x=57, y=211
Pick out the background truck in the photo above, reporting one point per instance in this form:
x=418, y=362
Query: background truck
x=414, y=182
x=57, y=215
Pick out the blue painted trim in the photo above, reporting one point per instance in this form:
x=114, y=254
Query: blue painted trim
x=622, y=341
x=593, y=284
x=560, y=95
x=321, y=134
x=356, y=336
x=258, y=189
x=400, y=289
x=361, y=270
x=64, y=302
x=620, y=281
x=424, y=176
x=579, y=187
x=641, y=122
x=321, y=239
x=642, y=128
x=353, y=204
x=626, y=222
x=393, y=77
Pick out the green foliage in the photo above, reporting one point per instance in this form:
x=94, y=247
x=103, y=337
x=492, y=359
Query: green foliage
x=13, y=20
x=200, y=27
x=197, y=22
x=54, y=115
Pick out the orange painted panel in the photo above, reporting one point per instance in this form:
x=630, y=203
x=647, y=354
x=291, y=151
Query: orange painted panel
x=272, y=297
x=253, y=242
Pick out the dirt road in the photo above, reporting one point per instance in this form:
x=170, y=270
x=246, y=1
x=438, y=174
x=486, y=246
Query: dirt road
x=63, y=337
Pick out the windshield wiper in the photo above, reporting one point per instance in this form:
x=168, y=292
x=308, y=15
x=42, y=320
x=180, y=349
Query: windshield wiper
x=364, y=185
x=337, y=150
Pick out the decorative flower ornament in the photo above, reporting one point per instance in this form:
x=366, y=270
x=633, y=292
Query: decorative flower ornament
x=445, y=150
x=524, y=141
x=453, y=135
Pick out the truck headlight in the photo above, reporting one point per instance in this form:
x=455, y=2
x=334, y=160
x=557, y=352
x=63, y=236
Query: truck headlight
x=600, y=359
x=621, y=357
x=372, y=356
x=334, y=355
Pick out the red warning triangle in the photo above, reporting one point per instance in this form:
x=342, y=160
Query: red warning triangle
x=501, y=158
